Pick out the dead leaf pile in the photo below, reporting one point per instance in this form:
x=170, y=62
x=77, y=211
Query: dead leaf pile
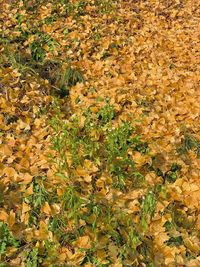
x=99, y=133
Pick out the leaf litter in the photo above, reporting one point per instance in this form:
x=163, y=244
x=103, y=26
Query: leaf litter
x=99, y=135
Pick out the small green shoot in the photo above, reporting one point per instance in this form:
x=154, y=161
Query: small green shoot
x=148, y=208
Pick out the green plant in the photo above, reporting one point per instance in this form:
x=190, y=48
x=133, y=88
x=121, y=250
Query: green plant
x=175, y=241
x=71, y=77
x=40, y=195
x=117, y=143
x=58, y=225
x=37, y=51
x=105, y=7
x=37, y=46
x=76, y=9
x=68, y=78
x=20, y=63
x=133, y=239
x=113, y=157
x=148, y=208
x=6, y=239
x=19, y=18
x=71, y=202
x=32, y=258
x=50, y=19
x=106, y=114
x=188, y=143
x=171, y=175
x=38, y=198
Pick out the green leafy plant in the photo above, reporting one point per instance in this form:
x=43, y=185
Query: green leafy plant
x=175, y=241
x=105, y=7
x=188, y=143
x=72, y=202
x=6, y=239
x=37, y=51
x=76, y=9
x=38, y=198
x=171, y=175
x=106, y=114
x=117, y=143
x=32, y=258
x=148, y=208
x=37, y=46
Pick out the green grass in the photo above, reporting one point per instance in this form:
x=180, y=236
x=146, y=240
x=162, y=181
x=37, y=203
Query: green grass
x=111, y=156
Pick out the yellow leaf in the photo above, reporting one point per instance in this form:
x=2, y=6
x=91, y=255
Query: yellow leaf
x=11, y=218
x=3, y=216
x=46, y=208
x=83, y=242
x=60, y=191
x=43, y=232
x=29, y=190
x=10, y=172
x=77, y=258
x=27, y=178
x=88, y=265
x=192, y=244
x=90, y=166
x=25, y=208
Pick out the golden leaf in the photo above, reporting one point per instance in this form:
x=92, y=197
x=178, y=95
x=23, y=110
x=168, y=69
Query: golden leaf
x=25, y=207
x=46, y=208
x=3, y=216
x=83, y=242
x=11, y=218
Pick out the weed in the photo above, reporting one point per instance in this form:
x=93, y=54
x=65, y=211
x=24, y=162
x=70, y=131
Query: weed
x=96, y=36
x=113, y=157
x=32, y=258
x=133, y=239
x=38, y=198
x=188, y=143
x=179, y=217
x=59, y=140
x=138, y=179
x=117, y=143
x=175, y=241
x=68, y=78
x=37, y=257
x=50, y=19
x=71, y=77
x=20, y=63
x=6, y=239
x=76, y=9
x=105, y=7
x=37, y=51
x=171, y=175
x=148, y=208
x=106, y=114
x=141, y=147
x=19, y=18
x=37, y=47
x=40, y=194
x=71, y=202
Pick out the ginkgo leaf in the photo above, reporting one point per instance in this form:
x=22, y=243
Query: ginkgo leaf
x=83, y=242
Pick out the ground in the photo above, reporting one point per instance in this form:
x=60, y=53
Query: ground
x=99, y=135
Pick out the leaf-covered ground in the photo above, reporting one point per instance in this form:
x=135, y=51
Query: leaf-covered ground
x=99, y=133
